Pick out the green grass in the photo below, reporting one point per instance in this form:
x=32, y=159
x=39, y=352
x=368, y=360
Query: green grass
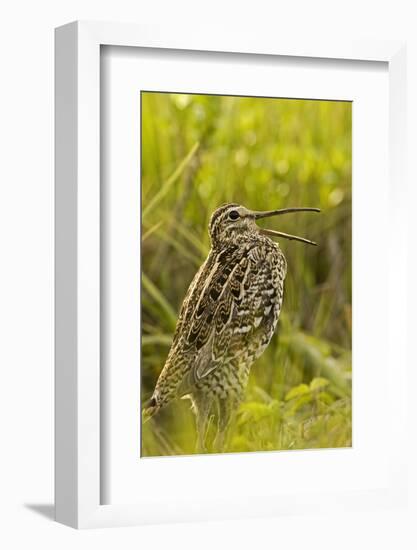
x=200, y=151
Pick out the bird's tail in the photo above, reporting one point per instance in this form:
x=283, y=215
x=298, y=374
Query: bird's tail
x=150, y=408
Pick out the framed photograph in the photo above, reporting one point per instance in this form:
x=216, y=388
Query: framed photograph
x=228, y=322
x=229, y=315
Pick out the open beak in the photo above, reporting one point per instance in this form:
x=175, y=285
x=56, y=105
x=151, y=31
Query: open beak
x=272, y=233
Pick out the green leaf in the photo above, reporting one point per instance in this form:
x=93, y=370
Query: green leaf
x=254, y=411
x=294, y=405
x=297, y=391
x=318, y=383
x=314, y=361
x=326, y=398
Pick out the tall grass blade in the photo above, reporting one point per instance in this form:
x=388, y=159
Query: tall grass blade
x=168, y=183
x=160, y=299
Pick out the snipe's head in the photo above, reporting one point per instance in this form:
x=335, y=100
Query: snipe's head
x=233, y=223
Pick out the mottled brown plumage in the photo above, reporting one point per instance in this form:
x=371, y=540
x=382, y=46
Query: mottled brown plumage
x=227, y=319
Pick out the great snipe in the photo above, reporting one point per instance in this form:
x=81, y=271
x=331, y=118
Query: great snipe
x=227, y=318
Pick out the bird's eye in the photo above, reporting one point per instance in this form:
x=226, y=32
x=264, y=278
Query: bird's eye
x=233, y=215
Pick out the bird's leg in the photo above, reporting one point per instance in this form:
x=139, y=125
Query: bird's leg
x=226, y=410
x=202, y=406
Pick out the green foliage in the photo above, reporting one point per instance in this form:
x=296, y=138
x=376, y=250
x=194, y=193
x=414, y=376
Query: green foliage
x=200, y=151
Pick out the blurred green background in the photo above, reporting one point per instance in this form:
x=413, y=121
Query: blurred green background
x=200, y=151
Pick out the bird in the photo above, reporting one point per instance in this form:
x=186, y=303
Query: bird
x=227, y=319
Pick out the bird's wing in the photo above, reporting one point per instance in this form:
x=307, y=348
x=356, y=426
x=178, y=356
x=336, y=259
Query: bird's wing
x=237, y=297
x=187, y=304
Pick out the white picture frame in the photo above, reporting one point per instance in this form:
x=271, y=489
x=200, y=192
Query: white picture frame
x=78, y=479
